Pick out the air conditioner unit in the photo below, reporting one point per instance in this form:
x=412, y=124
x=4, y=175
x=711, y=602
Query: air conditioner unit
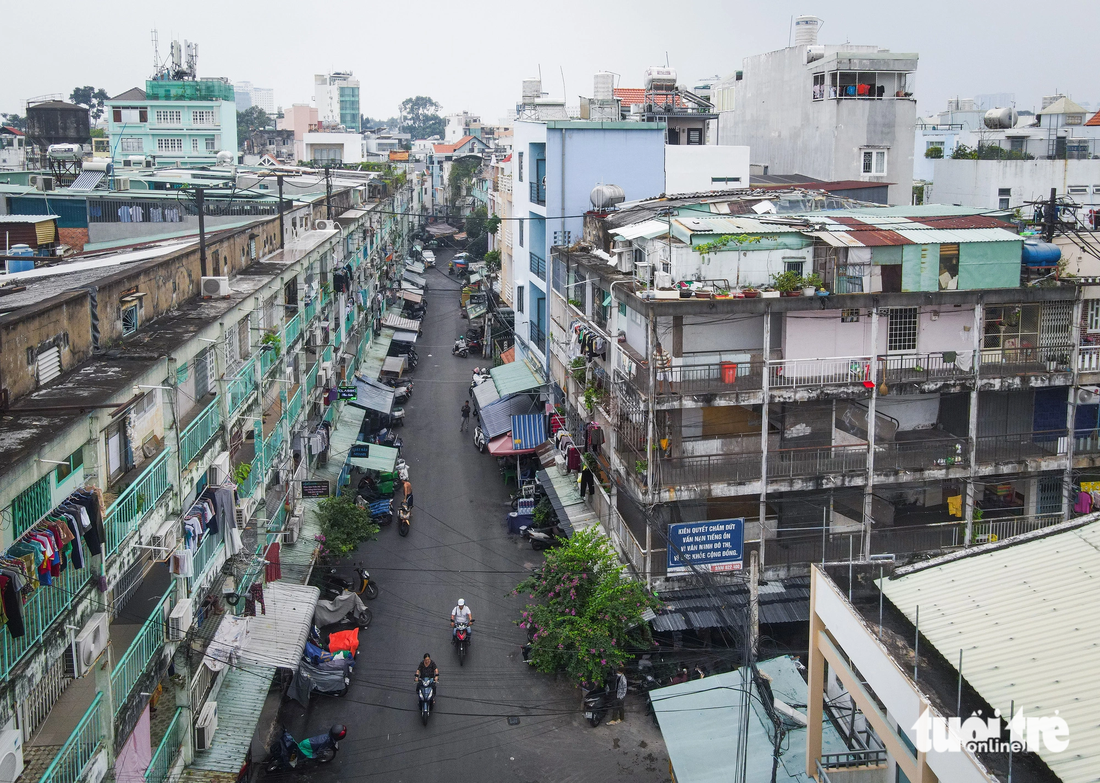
x=323, y=225
x=215, y=287
x=44, y=183
x=1088, y=395
x=293, y=529
x=245, y=508
x=218, y=471
x=88, y=645
x=11, y=753
x=122, y=183
x=206, y=725
x=165, y=539
x=179, y=622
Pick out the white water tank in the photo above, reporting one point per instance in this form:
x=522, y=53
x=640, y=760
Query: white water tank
x=532, y=90
x=606, y=196
x=65, y=152
x=805, y=30
x=603, y=86
x=1001, y=119
x=660, y=78
x=225, y=158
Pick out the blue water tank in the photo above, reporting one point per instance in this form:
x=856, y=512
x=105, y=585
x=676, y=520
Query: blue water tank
x=1041, y=253
x=25, y=261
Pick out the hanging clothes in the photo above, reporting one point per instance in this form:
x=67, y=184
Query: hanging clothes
x=273, y=571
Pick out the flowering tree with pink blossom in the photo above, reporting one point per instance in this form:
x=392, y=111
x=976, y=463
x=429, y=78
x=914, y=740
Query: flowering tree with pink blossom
x=589, y=616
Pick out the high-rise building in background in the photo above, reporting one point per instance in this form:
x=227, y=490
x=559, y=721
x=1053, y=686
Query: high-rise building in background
x=248, y=96
x=337, y=98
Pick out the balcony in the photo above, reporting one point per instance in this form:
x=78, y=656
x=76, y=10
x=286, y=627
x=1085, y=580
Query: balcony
x=82, y=746
x=242, y=385
x=538, y=266
x=1088, y=358
x=1004, y=362
x=293, y=330
x=537, y=337
x=196, y=435
x=204, y=555
x=310, y=310
x=538, y=193
x=148, y=642
x=269, y=357
x=1022, y=446
x=136, y=502
x=294, y=408
x=168, y=750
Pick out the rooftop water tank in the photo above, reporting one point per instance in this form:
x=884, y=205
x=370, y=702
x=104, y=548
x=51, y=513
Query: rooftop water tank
x=532, y=90
x=225, y=158
x=1001, y=119
x=1038, y=253
x=606, y=196
x=603, y=86
x=99, y=164
x=65, y=152
x=806, y=29
x=660, y=78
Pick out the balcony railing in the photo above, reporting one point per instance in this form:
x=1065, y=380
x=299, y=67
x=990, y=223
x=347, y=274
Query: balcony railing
x=538, y=266
x=925, y=367
x=310, y=310
x=293, y=329
x=1000, y=529
x=310, y=382
x=1001, y=362
x=200, y=432
x=788, y=373
x=538, y=192
x=1022, y=446
x=1088, y=358
x=922, y=454
x=255, y=477
x=706, y=378
x=268, y=359
x=206, y=553
x=294, y=408
x=243, y=384
x=272, y=446
x=78, y=751
x=538, y=337
x=132, y=664
x=136, y=502
x=168, y=750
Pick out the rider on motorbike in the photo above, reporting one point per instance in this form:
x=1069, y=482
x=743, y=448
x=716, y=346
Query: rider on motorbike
x=427, y=668
x=462, y=614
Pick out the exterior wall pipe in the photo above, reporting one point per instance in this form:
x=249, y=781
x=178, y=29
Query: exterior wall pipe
x=1071, y=409
x=972, y=424
x=763, y=510
x=869, y=490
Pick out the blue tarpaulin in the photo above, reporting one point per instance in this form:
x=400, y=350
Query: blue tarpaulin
x=528, y=431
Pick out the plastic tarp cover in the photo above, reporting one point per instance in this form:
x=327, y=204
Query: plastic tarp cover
x=332, y=678
x=329, y=612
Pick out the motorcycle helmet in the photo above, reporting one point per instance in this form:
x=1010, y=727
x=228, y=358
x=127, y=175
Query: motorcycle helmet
x=338, y=732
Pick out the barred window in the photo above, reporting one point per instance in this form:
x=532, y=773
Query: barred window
x=902, y=332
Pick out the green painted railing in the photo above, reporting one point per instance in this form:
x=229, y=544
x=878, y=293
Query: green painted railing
x=349, y=320
x=255, y=476
x=31, y=505
x=136, y=502
x=271, y=446
x=200, y=432
x=310, y=310
x=242, y=385
x=132, y=664
x=69, y=764
x=338, y=338
x=168, y=750
x=204, y=555
x=310, y=382
x=268, y=359
x=327, y=355
x=295, y=408
x=293, y=329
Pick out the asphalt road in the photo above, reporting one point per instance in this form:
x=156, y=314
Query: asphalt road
x=459, y=547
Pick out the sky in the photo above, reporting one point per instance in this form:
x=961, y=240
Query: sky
x=474, y=56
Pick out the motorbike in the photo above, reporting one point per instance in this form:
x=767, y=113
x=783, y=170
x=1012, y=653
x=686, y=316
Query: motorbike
x=596, y=704
x=363, y=586
x=404, y=388
x=387, y=436
x=464, y=345
x=480, y=441
x=543, y=538
x=479, y=379
x=462, y=640
x=287, y=752
x=404, y=517
x=425, y=693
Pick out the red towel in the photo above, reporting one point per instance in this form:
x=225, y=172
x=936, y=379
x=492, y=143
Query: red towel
x=344, y=640
x=273, y=572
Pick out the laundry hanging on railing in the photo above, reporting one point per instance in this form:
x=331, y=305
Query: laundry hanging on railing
x=586, y=342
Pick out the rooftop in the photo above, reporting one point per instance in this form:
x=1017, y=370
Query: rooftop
x=1063, y=106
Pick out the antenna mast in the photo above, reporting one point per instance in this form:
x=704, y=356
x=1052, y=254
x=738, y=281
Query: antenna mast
x=156, y=54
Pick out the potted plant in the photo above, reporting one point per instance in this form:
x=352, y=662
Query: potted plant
x=787, y=283
x=749, y=292
x=811, y=284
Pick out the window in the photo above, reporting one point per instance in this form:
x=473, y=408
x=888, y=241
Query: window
x=933, y=145
x=169, y=145
x=949, y=267
x=131, y=144
x=123, y=115
x=1093, y=315
x=1074, y=119
x=793, y=265
x=1078, y=190
x=725, y=180
x=73, y=461
x=902, y=333
x=209, y=143
x=819, y=86
x=194, y=145
x=520, y=223
x=622, y=308
x=146, y=403
x=695, y=135
x=1004, y=198
x=168, y=116
x=204, y=117
x=129, y=320
x=874, y=162
x=1017, y=145
x=849, y=316
x=519, y=298
x=519, y=168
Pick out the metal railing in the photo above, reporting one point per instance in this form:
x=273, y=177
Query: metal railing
x=1088, y=358
x=293, y=330
x=136, y=502
x=310, y=381
x=1086, y=441
x=243, y=384
x=168, y=750
x=294, y=408
x=925, y=367
x=1021, y=446
x=921, y=454
x=132, y=664
x=706, y=378
x=310, y=310
x=254, y=478
x=69, y=764
x=271, y=447
x=538, y=192
x=201, y=431
x=269, y=357
x=853, y=758
x=538, y=266
x=1000, y=529
x=538, y=337
x=1000, y=362
x=787, y=373
x=204, y=555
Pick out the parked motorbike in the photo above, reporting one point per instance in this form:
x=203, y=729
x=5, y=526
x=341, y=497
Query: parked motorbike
x=462, y=640
x=543, y=538
x=463, y=346
x=425, y=694
x=346, y=609
x=287, y=752
x=363, y=586
x=480, y=442
x=404, y=517
x=596, y=704
x=479, y=379
x=403, y=387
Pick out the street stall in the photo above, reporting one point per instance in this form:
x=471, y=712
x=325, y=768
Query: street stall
x=394, y=321
x=417, y=280
x=393, y=367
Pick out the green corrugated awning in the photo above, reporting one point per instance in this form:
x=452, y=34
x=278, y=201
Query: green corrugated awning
x=381, y=458
x=513, y=378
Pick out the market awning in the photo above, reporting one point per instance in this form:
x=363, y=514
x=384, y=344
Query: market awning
x=277, y=637
x=529, y=430
x=564, y=495
x=441, y=230
x=405, y=337
x=372, y=396
x=416, y=267
x=412, y=289
x=415, y=279
x=508, y=356
x=240, y=702
x=397, y=322
x=380, y=458
x=394, y=364
x=411, y=296
x=485, y=393
x=513, y=378
x=503, y=447
x=496, y=417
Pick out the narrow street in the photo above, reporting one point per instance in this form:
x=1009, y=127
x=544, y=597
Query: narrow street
x=459, y=548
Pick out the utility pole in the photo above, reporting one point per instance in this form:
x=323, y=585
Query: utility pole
x=328, y=192
x=1050, y=216
x=282, y=237
x=199, y=196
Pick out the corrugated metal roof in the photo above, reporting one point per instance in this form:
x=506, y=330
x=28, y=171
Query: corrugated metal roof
x=937, y=236
x=1024, y=615
x=485, y=394
x=373, y=396
x=645, y=229
x=415, y=267
x=397, y=322
x=277, y=637
x=26, y=218
x=528, y=430
x=496, y=417
x=394, y=364
x=405, y=337
x=415, y=279
x=411, y=296
x=513, y=378
x=240, y=701
x=786, y=601
x=837, y=238
x=733, y=225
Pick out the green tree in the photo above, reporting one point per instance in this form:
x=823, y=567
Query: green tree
x=492, y=260
x=461, y=177
x=95, y=99
x=988, y=152
x=935, y=153
x=343, y=525
x=15, y=121
x=420, y=117
x=251, y=120
x=590, y=616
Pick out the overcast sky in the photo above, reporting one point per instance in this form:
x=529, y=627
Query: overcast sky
x=474, y=55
